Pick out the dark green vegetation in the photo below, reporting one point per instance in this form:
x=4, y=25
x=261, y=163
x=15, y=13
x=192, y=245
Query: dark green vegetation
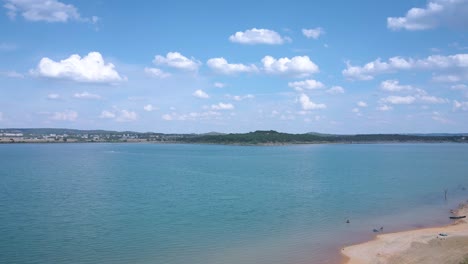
x=273, y=137
x=252, y=138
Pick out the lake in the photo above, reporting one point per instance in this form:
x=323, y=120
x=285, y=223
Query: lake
x=207, y=204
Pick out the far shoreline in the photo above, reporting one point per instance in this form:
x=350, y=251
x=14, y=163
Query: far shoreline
x=271, y=144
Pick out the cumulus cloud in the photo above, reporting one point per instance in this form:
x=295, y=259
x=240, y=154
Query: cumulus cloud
x=219, y=85
x=67, y=115
x=149, y=108
x=200, y=94
x=460, y=87
x=241, y=97
x=53, y=96
x=361, y=104
x=394, y=64
x=167, y=117
x=107, y=114
x=306, y=85
x=420, y=96
x=192, y=116
x=399, y=99
x=158, y=73
x=460, y=105
x=45, y=10
x=336, y=90
x=394, y=86
x=432, y=99
x=12, y=74
x=436, y=116
x=126, y=116
x=222, y=106
x=257, y=36
x=90, y=68
x=307, y=104
x=119, y=115
x=384, y=108
x=221, y=65
x=86, y=95
x=178, y=61
x=452, y=13
x=298, y=66
x=314, y=33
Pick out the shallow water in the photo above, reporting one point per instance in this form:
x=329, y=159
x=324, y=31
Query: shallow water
x=206, y=204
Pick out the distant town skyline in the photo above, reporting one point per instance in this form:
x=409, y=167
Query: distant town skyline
x=195, y=67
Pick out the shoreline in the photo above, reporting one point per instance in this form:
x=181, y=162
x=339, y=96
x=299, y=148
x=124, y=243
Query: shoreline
x=271, y=144
x=416, y=246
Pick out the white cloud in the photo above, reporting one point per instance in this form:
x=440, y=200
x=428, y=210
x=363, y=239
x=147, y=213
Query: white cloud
x=437, y=13
x=221, y=65
x=298, y=66
x=219, y=85
x=436, y=116
x=394, y=64
x=384, y=108
x=90, y=68
x=307, y=104
x=361, y=104
x=107, y=114
x=453, y=77
x=460, y=105
x=45, y=10
x=222, y=106
x=64, y=116
x=119, y=115
x=306, y=84
x=432, y=99
x=355, y=110
x=53, y=96
x=158, y=73
x=167, y=117
x=200, y=94
x=177, y=60
x=257, y=36
x=241, y=97
x=460, y=87
x=86, y=95
x=394, y=86
x=336, y=90
x=12, y=74
x=126, y=116
x=149, y=108
x=399, y=99
x=313, y=32
x=192, y=116
x=420, y=96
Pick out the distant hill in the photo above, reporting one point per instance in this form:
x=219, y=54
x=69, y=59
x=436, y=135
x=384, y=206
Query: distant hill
x=274, y=137
x=259, y=137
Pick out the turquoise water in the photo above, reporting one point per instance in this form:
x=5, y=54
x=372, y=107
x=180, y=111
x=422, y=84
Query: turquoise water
x=207, y=204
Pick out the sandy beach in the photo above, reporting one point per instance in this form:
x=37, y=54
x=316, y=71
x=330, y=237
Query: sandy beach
x=416, y=246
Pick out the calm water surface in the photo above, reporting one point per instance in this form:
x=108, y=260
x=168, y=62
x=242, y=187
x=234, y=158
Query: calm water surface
x=207, y=204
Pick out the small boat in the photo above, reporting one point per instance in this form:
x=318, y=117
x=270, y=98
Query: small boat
x=457, y=217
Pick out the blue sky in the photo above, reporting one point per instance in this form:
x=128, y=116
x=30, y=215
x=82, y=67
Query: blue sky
x=235, y=66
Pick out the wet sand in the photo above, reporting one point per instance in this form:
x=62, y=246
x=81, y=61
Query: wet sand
x=415, y=246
